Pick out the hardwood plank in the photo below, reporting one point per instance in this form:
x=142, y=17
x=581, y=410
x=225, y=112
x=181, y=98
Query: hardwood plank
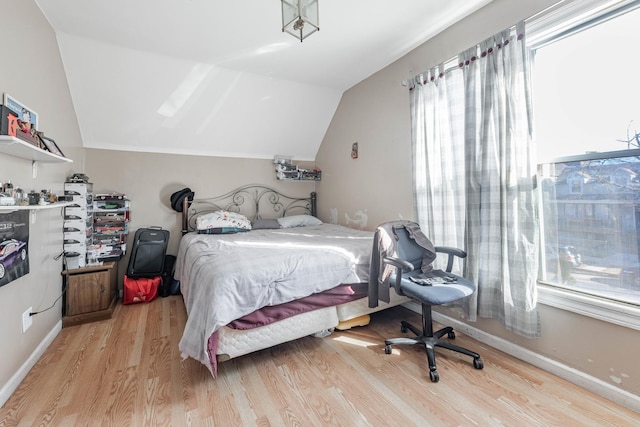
x=127, y=371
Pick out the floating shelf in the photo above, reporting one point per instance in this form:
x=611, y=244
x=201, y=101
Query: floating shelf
x=35, y=207
x=291, y=172
x=300, y=179
x=12, y=146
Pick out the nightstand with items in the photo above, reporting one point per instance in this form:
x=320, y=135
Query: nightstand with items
x=91, y=293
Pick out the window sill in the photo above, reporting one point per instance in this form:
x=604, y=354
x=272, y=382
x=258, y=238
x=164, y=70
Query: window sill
x=622, y=314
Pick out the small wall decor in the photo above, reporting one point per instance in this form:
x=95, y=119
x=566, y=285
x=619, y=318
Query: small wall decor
x=333, y=216
x=50, y=145
x=354, y=150
x=26, y=115
x=360, y=218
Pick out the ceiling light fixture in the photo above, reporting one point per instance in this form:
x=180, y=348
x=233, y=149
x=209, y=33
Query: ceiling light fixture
x=300, y=18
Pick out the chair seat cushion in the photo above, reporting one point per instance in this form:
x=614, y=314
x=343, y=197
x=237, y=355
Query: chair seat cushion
x=439, y=293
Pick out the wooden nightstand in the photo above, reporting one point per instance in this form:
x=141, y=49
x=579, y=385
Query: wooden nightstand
x=91, y=295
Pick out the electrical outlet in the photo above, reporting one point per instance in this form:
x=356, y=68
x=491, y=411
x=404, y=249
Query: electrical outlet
x=26, y=320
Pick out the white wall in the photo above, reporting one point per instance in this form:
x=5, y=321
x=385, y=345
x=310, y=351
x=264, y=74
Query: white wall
x=32, y=72
x=376, y=114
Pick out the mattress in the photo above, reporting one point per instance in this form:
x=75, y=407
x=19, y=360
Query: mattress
x=236, y=342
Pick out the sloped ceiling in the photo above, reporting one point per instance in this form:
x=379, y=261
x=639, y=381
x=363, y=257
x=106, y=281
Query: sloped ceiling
x=219, y=78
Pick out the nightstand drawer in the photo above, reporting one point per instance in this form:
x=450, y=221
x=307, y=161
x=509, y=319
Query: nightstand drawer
x=88, y=292
x=91, y=293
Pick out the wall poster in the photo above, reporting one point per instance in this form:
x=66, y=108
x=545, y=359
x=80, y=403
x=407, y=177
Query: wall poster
x=14, y=245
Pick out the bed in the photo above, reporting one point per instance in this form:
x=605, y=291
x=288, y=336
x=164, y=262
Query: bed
x=257, y=268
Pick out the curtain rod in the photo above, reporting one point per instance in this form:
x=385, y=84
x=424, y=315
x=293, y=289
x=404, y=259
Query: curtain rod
x=560, y=12
x=451, y=63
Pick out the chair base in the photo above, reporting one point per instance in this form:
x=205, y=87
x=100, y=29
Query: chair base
x=431, y=340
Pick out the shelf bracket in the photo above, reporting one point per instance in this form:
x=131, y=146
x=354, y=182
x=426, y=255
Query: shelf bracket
x=34, y=169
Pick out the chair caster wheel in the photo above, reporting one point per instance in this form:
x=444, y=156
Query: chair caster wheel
x=478, y=363
x=387, y=349
x=451, y=335
x=433, y=375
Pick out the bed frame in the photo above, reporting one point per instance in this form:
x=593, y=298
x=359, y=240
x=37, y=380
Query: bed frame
x=255, y=201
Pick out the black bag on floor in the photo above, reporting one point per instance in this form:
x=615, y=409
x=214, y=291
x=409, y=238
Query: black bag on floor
x=168, y=287
x=148, y=252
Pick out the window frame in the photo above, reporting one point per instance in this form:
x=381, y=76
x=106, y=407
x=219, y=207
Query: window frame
x=616, y=312
x=553, y=24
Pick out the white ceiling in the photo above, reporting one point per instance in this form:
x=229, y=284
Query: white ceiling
x=220, y=78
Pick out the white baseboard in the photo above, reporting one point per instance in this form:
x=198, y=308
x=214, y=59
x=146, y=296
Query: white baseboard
x=7, y=390
x=579, y=378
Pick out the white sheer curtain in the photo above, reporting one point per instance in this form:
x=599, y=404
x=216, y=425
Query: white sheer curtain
x=437, y=111
x=475, y=173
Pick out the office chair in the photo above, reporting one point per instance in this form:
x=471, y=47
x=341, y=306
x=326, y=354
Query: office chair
x=437, y=288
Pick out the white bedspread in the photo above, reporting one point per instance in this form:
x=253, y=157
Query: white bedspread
x=225, y=277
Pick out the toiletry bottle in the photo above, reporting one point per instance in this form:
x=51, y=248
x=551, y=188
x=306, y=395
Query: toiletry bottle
x=8, y=188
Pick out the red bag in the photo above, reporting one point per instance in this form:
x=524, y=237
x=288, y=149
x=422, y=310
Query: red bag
x=143, y=289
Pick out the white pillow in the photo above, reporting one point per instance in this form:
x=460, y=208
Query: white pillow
x=298, y=221
x=222, y=219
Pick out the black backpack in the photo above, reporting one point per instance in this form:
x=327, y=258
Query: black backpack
x=169, y=285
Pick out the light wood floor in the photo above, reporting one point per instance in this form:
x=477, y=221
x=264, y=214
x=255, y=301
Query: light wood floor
x=127, y=371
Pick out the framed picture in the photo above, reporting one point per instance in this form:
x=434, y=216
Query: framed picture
x=50, y=145
x=24, y=113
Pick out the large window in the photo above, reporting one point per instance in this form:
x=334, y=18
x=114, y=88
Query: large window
x=587, y=126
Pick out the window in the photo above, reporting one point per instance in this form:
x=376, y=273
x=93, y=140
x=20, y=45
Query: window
x=587, y=125
x=590, y=236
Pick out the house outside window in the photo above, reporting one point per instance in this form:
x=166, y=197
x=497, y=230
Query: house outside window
x=575, y=181
x=598, y=253
x=587, y=126
x=622, y=176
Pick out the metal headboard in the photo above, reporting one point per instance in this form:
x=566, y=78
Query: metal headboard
x=254, y=201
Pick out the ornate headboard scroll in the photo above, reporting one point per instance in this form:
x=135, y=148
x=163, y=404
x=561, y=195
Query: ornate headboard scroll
x=254, y=201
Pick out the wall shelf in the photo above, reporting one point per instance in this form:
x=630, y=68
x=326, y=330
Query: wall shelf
x=12, y=146
x=34, y=207
x=291, y=172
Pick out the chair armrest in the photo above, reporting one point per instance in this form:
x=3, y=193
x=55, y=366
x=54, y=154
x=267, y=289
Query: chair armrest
x=405, y=266
x=400, y=265
x=452, y=252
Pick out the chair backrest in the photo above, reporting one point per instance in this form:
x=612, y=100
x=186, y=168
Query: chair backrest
x=408, y=249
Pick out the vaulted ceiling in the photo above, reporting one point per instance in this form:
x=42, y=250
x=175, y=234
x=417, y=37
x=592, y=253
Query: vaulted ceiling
x=220, y=78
